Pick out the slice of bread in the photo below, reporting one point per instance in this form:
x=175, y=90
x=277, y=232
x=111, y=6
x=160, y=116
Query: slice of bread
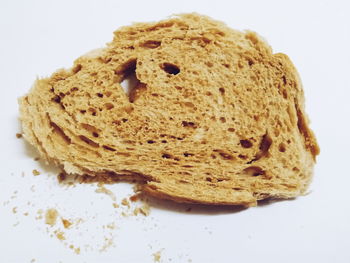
x=214, y=117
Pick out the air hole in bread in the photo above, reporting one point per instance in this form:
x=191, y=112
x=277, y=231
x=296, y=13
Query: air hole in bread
x=231, y=129
x=253, y=171
x=94, y=131
x=189, y=124
x=109, y=106
x=74, y=89
x=100, y=95
x=282, y=147
x=226, y=156
x=264, y=147
x=243, y=157
x=209, y=64
x=56, y=99
x=130, y=83
x=295, y=169
x=164, y=141
x=188, y=104
x=92, y=111
x=250, y=62
x=222, y=91
x=170, y=68
x=284, y=79
x=246, y=143
x=223, y=119
x=57, y=130
x=186, y=154
x=285, y=94
x=166, y=156
x=109, y=148
x=88, y=141
x=89, y=127
x=266, y=142
x=77, y=68
x=150, y=141
x=151, y=44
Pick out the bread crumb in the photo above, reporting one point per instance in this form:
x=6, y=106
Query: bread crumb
x=115, y=205
x=60, y=235
x=108, y=243
x=157, y=256
x=26, y=214
x=136, y=211
x=51, y=216
x=36, y=172
x=61, y=177
x=124, y=214
x=33, y=260
x=145, y=209
x=19, y=135
x=66, y=223
x=40, y=214
x=104, y=190
x=14, y=210
x=77, y=250
x=135, y=197
x=111, y=226
x=126, y=202
x=36, y=158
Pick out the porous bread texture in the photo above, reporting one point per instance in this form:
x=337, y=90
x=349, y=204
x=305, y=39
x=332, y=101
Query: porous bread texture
x=215, y=116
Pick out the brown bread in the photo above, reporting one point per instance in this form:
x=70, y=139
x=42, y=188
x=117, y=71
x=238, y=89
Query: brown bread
x=214, y=116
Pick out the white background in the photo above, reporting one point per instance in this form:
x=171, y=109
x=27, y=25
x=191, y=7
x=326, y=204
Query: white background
x=38, y=37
